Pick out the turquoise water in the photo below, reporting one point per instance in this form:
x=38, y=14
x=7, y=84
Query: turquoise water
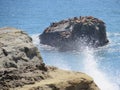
x=33, y=16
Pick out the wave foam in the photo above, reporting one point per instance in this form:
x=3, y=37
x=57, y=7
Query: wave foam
x=35, y=38
x=90, y=62
x=91, y=68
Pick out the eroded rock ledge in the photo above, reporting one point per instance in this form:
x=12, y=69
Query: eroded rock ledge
x=63, y=80
x=74, y=33
x=20, y=61
x=22, y=68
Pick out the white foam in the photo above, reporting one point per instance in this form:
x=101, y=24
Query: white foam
x=61, y=63
x=91, y=68
x=35, y=38
x=57, y=59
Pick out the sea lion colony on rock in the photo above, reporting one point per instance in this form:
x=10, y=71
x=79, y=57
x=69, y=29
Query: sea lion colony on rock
x=75, y=33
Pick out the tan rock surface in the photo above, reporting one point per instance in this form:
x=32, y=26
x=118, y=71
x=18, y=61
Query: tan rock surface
x=63, y=80
x=20, y=60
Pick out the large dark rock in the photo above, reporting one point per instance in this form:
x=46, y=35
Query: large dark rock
x=74, y=33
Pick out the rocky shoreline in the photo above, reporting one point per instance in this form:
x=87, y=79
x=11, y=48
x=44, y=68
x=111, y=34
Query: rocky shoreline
x=22, y=67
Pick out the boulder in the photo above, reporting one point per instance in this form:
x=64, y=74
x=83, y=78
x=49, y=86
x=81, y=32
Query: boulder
x=74, y=33
x=22, y=68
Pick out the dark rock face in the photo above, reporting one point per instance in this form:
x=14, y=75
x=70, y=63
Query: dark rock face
x=75, y=32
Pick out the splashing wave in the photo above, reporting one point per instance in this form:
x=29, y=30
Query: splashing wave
x=90, y=61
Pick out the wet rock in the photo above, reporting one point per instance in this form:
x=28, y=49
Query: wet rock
x=75, y=32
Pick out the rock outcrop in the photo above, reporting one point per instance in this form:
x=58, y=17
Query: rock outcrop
x=63, y=80
x=20, y=61
x=22, y=68
x=75, y=33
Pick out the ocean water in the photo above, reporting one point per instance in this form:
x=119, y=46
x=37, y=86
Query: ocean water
x=33, y=16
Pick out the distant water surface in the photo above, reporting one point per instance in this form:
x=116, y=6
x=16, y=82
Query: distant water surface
x=33, y=16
